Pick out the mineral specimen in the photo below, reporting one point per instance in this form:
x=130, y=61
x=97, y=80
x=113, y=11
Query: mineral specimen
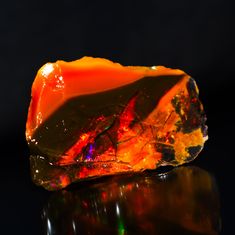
x=93, y=117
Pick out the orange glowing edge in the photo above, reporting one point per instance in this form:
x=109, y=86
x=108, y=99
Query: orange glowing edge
x=55, y=83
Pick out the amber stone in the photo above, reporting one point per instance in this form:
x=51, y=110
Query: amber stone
x=92, y=117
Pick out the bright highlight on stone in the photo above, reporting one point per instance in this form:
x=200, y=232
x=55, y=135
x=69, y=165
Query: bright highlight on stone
x=92, y=117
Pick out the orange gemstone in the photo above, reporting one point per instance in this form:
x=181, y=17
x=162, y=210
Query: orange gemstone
x=93, y=117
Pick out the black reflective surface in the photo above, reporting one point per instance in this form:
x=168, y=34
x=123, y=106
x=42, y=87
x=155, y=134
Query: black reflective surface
x=182, y=201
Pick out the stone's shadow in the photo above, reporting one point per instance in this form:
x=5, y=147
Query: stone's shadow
x=182, y=201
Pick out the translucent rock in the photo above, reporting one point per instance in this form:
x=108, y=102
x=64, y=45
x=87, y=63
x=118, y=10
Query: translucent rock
x=93, y=117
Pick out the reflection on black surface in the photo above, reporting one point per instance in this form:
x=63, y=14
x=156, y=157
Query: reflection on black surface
x=183, y=201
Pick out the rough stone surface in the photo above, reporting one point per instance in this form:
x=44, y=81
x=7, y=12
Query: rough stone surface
x=93, y=117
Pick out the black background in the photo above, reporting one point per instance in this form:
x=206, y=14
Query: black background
x=195, y=36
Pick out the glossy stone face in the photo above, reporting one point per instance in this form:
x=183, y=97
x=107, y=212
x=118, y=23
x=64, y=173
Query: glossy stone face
x=92, y=117
x=182, y=201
